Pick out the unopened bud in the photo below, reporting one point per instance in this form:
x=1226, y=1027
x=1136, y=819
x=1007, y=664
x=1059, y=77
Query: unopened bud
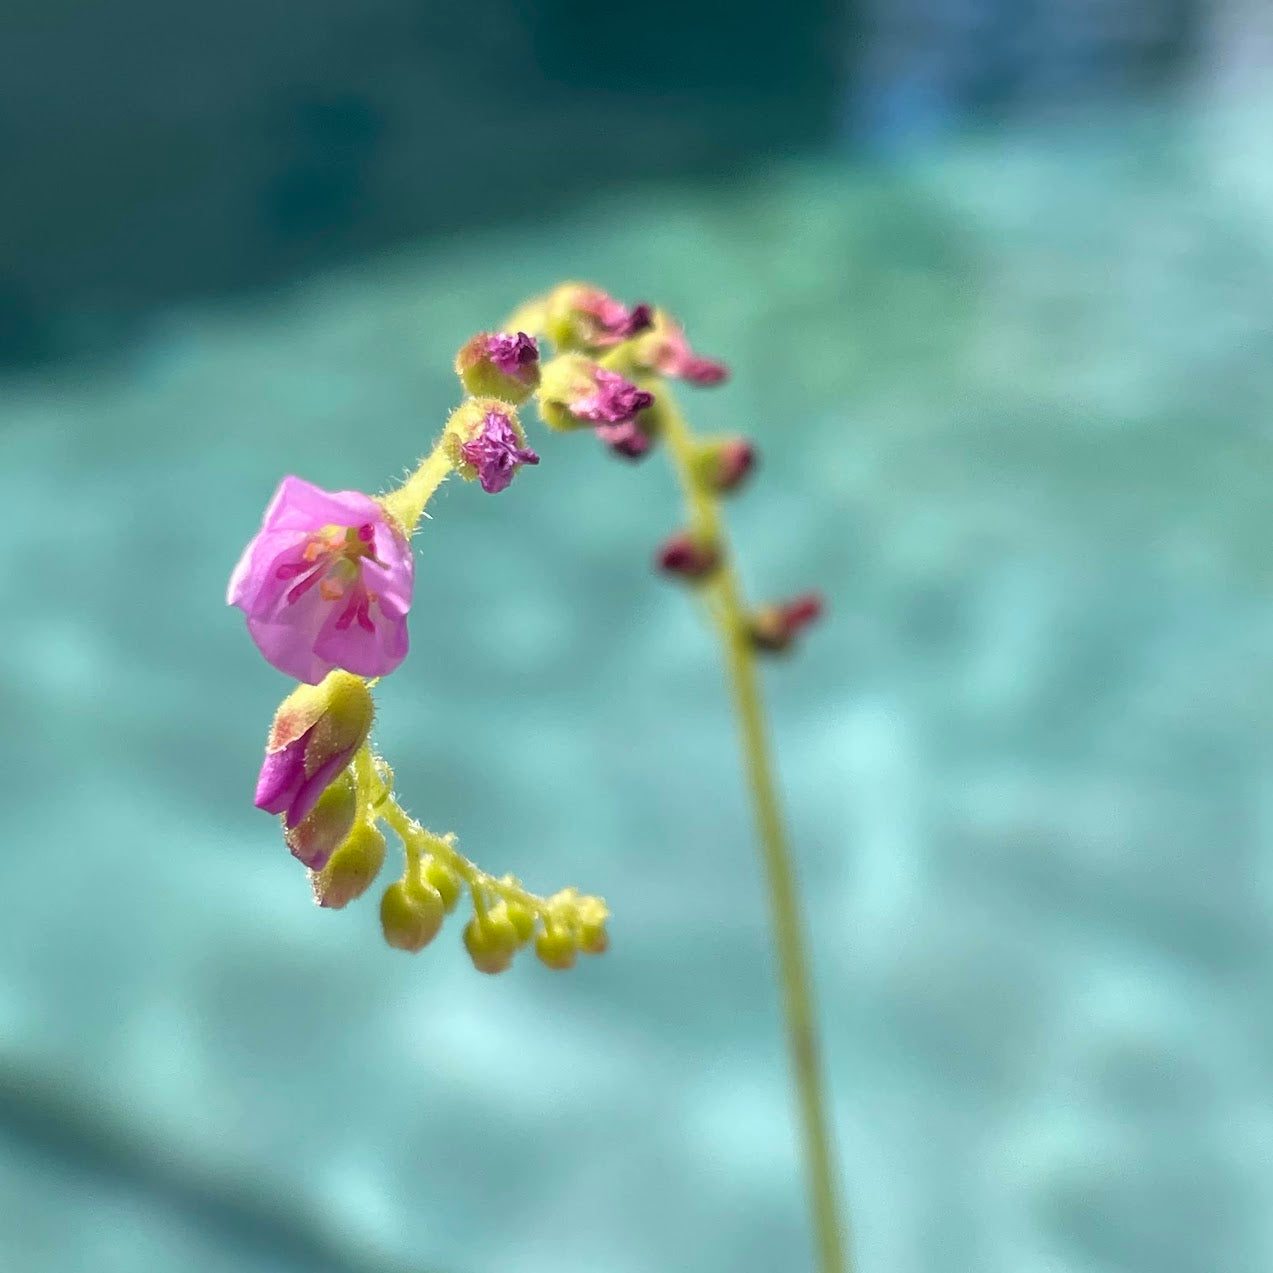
x=592, y=915
x=325, y=828
x=491, y=946
x=580, y=316
x=520, y=916
x=664, y=350
x=351, y=869
x=575, y=392
x=485, y=442
x=687, y=556
x=441, y=876
x=411, y=914
x=316, y=731
x=556, y=948
x=722, y=464
x=774, y=627
x=499, y=365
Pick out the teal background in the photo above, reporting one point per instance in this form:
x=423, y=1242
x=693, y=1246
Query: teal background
x=1012, y=393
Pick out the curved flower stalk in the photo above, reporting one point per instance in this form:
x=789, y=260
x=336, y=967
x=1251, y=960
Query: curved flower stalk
x=326, y=587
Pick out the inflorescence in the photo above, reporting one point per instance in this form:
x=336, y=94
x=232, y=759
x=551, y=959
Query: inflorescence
x=326, y=586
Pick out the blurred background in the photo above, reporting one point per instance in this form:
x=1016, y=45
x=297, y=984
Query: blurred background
x=995, y=279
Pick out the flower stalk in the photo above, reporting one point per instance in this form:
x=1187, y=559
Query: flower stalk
x=739, y=652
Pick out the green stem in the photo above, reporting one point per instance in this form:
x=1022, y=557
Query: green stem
x=784, y=907
x=407, y=503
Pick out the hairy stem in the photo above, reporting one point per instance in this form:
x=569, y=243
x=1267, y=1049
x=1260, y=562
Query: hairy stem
x=406, y=504
x=784, y=908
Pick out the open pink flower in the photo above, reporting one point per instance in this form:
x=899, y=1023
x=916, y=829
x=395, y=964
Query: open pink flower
x=326, y=583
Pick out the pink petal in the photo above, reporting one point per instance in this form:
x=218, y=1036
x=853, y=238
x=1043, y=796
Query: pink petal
x=282, y=774
x=311, y=788
x=289, y=650
x=374, y=653
x=300, y=505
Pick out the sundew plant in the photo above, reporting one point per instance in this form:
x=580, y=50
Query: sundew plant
x=326, y=587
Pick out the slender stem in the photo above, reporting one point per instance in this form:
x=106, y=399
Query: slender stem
x=784, y=907
x=408, y=501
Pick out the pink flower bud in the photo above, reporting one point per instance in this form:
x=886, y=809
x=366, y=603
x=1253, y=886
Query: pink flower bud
x=584, y=317
x=774, y=627
x=316, y=731
x=722, y=464
x=499, y=365
x=628, y=440
x=665, y=351
x=326, y=583
x=488, y=443
x=685, y=555
x=576, y=392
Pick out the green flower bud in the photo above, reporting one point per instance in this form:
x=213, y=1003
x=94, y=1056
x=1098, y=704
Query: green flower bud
x=591, y=917
x=521, y=917
x=443, y=877
x=351, y=869
x=556, y=948
x=491, y=943
x=318, y=835
x=411, y=914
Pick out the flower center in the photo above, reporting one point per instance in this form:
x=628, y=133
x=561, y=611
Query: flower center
x=331, y=560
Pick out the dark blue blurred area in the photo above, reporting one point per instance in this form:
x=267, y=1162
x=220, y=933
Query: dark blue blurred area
x=155, y=152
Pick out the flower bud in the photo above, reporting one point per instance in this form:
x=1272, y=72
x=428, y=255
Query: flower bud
x=442, y=876
x=591, y=917
x=664, y=351
x=774, y=627
x=351, y=869
x=721, y=464
x=522, y=919
x=485, y=442
x=316, y=731
x=580, y=316
x=411, y=914
x=499, y=365
x=556, y=948
x=326, y=827
x=688, y=556
x=491, y=945
x=575, y=392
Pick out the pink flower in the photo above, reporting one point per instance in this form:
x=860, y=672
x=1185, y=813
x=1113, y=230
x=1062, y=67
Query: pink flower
x=495, y=452
x=326, y=583
x=613, y=400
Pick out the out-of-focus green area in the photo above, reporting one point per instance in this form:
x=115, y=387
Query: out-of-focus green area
x=1014, y=405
